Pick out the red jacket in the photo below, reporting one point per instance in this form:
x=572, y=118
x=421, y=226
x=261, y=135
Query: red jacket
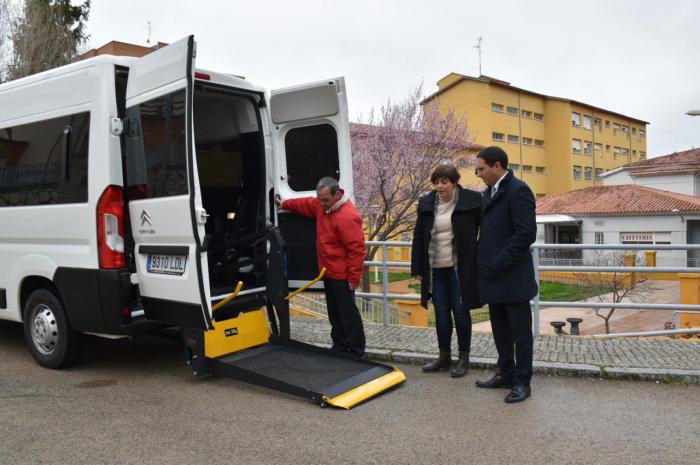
x=340, y=242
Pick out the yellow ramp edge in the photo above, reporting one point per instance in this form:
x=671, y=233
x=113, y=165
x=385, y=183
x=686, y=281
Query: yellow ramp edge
x=367, y=390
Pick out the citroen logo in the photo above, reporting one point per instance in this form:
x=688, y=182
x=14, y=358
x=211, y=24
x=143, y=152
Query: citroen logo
x=145, y=218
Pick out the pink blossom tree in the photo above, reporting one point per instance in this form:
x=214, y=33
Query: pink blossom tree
x=394, y=154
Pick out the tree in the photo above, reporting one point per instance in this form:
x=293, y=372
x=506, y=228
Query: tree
x=6, y=18
x=613, y=286
x=44, y=35
x=393, y=156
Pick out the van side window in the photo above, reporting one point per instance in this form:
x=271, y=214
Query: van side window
x=34, y=169
x=312, y=153
x=156, y=148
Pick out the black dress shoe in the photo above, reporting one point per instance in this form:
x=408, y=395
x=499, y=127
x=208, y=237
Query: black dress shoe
x=496, y=382
x=519, y=393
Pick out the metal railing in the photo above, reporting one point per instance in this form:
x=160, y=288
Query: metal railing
x=537, y=304
x=547, y=264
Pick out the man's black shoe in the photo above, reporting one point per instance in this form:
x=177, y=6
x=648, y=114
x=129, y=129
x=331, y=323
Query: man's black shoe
x=496, y=382
x=519, y=393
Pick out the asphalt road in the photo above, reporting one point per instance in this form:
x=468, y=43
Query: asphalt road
x=136, y=402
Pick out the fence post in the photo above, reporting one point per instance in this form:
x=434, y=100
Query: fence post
x=536, y=301
x=385, y=287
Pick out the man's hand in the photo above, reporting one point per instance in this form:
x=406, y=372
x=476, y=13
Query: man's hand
x=418, y=278
x=354, y=286
x=278, y=200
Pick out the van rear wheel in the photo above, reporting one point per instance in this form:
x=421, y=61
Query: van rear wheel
x=48, y=333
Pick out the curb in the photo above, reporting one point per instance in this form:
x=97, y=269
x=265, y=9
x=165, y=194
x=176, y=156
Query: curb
x=671, y=376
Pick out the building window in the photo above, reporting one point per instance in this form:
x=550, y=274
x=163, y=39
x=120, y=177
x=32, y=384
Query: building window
x=527, y=140
x=607, y=147
x=575, y=119
x=598, y=147
x=577, y=172
x=626, y=152
x=498, y=136
x=527, y=168
x=616, y=126
x=576, y=145
x=642, y=133
x=406, y=236
x=587, y=147
x=598, y=173
x=607, y=123
x=539, y=143
x=514, y=166
x=625, y=129
x=538, y=116
x=598, y=122
x=642, y=154
x=634, y=130
x=588, y=173
x=497, y=107
x=527, y=114
x=512, y=111
x=599, y=238
x=616, y=151
x=586, y=122
x=539, y=169
x=513, y=139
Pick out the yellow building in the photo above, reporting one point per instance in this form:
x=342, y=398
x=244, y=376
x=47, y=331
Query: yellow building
x=553, y=144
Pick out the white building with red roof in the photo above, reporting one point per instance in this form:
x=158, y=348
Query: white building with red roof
x=677, y=172
x=622, y=214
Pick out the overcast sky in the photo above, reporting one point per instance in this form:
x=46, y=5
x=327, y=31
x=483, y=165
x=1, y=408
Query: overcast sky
x=639, y=58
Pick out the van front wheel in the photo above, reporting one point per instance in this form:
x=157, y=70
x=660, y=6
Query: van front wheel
x=48, y=333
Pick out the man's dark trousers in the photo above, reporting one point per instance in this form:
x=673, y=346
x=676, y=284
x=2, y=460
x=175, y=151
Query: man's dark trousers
x=347, y=331
x=511, y=324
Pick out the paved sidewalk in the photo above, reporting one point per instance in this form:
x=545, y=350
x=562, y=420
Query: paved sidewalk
x=637, y=358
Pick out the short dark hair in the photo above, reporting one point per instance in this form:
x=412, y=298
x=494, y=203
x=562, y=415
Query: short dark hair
x=494, y=154
x=448, y=171
x=329, y=182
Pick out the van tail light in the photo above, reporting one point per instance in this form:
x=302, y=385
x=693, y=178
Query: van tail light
x=110, y=228
x=203, y=76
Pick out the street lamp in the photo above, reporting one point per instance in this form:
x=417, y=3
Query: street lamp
x=693, y=113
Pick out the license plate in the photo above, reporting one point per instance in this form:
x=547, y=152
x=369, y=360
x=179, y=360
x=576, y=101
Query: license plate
x=167, y=264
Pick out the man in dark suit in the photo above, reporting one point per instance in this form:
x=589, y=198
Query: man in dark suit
x=506, y=275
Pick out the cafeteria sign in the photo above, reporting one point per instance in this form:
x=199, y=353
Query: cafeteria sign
x=636, y=237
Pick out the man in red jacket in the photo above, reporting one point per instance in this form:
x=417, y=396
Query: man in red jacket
x=340, y=247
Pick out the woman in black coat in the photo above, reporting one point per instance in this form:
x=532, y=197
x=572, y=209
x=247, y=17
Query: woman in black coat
x=443, y=258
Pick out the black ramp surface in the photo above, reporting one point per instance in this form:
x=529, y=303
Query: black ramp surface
x=310, y=370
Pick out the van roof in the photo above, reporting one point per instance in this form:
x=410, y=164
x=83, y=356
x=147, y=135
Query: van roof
x=218, y=78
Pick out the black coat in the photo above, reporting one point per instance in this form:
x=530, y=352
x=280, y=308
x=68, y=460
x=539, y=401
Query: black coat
x=508, y=228
x=465, y=227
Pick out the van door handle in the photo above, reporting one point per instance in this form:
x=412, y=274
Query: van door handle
x=202, y=216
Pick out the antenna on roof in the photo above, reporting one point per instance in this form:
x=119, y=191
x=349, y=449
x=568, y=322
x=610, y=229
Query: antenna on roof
x=150, y=29
x=478, y=47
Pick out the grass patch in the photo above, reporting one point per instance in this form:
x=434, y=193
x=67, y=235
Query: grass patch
x=478, y=315
x=669, y=378
x=562, y=292
x=393, y=277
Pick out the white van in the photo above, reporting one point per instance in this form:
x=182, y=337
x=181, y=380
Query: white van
x=135, y=193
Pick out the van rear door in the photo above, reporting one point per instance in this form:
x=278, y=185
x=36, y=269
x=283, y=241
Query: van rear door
x=311, y=140
x=165, y=205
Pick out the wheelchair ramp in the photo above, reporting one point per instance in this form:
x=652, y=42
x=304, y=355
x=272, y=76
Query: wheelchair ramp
x=322, y=375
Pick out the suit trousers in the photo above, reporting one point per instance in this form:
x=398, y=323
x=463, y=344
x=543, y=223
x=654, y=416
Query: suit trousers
x=347, y=330
x=512, y=332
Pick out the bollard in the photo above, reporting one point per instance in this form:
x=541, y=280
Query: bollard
x=558, y=327
x=574, y=325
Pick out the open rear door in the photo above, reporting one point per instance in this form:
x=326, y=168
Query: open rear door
x=312, y=140
x=165, y=206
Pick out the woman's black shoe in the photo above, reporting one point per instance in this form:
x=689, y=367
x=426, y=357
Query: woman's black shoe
x=443, y=362
x=460, y=369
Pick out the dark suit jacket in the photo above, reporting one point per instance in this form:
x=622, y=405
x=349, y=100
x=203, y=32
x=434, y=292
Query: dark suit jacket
x=465, y=227
x=508, y=228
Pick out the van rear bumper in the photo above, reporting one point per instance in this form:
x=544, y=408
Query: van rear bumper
x=99, y=301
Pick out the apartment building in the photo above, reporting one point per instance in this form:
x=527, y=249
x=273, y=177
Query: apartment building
x=554, y=144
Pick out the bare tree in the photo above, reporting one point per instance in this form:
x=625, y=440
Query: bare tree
x=44, y=35
x=7, y=16
x=612, y=287
x=394, y=154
